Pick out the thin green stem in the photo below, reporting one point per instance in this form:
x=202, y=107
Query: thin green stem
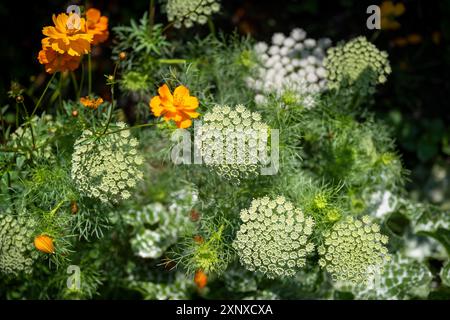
x=112, y=98
x=42, y=95
x=81, y=80
x=211, y=26
x=151, y=20
x=89, y=74
x=60, y=90
x=75, y=85
x=30, y=124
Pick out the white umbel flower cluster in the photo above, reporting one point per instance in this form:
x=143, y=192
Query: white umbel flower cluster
x=291, y=63
x=106, y=167
x=233, y=141
x=273, y=238
x=17, y=252
x=188, y=12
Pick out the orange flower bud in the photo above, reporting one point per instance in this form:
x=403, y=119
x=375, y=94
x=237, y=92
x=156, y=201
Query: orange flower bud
x=194, y=215
x=200, y=279
x=198, y=239
x=122, y=56
x=73, y=207
x=74, y=113
x=44, y=244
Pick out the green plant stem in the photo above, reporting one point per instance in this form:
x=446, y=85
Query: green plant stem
x=42, y=95
x=89, y=74
x=81, y=80
x=211, y=26
x=111, y=108
x=60, y=90
x=151, y=14
x=75, y=85
x=172, y=61
x=30, y=124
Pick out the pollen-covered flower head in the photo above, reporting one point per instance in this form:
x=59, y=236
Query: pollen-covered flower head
x=274, y=237
x=97, y=25
x=107, y=167
x=353, y=250
x=64, y=38
x=357, y=63
x=179, y=106
x=188, y=12
x=17, y=252
x=233, y=141
x=292, y=63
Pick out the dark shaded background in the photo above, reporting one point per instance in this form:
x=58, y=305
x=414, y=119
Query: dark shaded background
x=414, y=101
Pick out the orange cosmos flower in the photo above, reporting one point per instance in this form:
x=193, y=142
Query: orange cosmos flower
x=64, y=38
x=200, y=279
x=91, y=103
x=44, y=244
x=179, y=107
x=97, y=25
x=54, y=61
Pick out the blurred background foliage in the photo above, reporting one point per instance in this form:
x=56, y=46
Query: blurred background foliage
x=416, y=36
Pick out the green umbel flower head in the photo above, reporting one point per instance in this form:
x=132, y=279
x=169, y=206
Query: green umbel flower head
x=353, y=250
x=189, y=12
x=273, y=238
x=233, y=142
x=358, y=64
x=106, y=167
x=17, y=252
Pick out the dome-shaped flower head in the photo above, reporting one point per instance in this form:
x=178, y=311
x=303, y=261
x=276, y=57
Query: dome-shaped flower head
x=65, y=38
x=187, y=12
x=357, y=63
x=16, y=244
x=274, y=237
x=97, y=25
x=353, y=250
x=179, y=107
x=107, y=167
x=233, y=142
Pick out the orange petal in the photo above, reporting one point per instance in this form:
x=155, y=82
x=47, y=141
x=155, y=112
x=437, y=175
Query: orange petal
x=181, y=91
x=155, y=105
x=183, y=124
x=165, y=93
x=93, y=14
x=190, y=103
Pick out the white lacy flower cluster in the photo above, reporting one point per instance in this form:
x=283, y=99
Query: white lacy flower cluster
x=106, y=167
x=17, y=252
x=354, y=250
x=233, y=141
x=273, y=238
x=187, y=12
x=292, y=63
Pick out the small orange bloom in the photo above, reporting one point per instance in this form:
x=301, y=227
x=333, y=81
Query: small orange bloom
x=44, y=244
x=414, y=38
x=97, y=25
x=389, y=11
x=91, y=103
x=55, y=62
x=200, y=279
x=179, y=107
x=62, y=38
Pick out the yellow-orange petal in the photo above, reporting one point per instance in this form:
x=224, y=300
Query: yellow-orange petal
x=186, y=123
x=164, y=92
x=155, y=106
x=93, y=14
x=181, y=92
x=190, y=103
x=44, y=244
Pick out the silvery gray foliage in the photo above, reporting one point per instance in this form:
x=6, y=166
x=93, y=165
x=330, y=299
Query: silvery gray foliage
x=157, y=227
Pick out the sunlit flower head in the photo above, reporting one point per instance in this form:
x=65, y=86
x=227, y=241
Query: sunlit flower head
x=179, y=107
x=65, y=38
x=97, y=25
x=91, y=103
